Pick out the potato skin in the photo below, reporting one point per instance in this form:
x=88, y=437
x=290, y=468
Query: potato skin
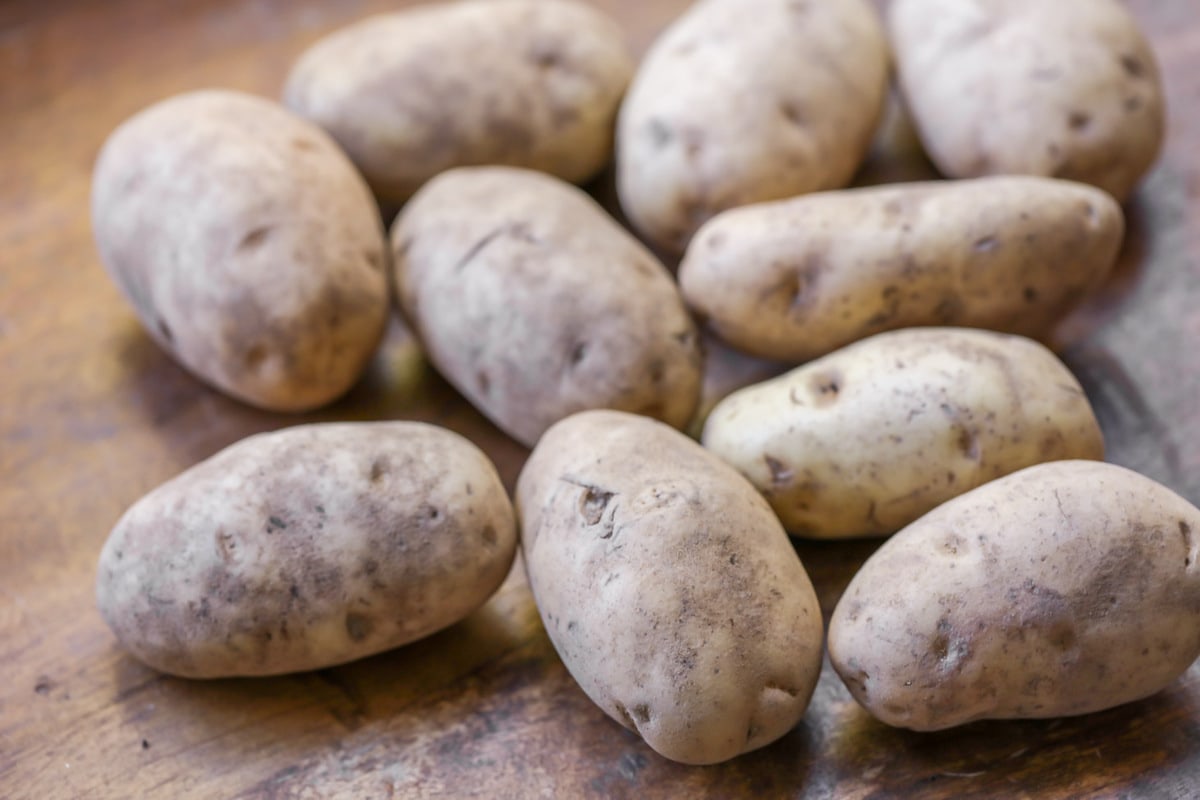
x=796, y=279
x=409, y=94
x=667, y=587
x=249, y=246
x=305, y=548
x=1067, y=90
x=1062, y=589
x=535, y=304
x=867, y=439
x=742, y=101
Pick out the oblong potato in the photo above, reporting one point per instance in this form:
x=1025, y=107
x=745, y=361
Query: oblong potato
x=799, y=278
x=307, y=547
x=535, y=304
x=1062, y=589
x=742, y=101
x=1061, y=89
x=249, y=246
x=867, y=439
x=412, y=93
x=667, y=587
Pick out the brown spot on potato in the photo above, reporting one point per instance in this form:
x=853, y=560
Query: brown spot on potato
x=358, y=626
x=641, y=713
x=303, y=145
x=659, y=133
x=791, y=113
x=483, y=382
x=578, y=354
x=1079, y=121
x=374, y=260
x=826, y=386
x=1133, y=65
x=592, y=504
x=226, y=545
x=490, y=537
x=968, y=443
x=1030, y=294
x=985, y=245
x=1185, y=531
x=781, y=474
x=255, y=238
x=1133, y=103
x=379, y=468
x=165, y=331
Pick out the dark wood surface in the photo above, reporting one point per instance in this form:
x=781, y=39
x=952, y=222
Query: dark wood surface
x=92, y=415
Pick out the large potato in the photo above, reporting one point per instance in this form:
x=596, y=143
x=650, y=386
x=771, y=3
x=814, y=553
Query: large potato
x=668, y=587
x=535, y=304
x=305, y=548
x=742, y=101
x=527, y=83
x=799, y=278
x=1062, y=89
x=249, y=246
x=1063, y=589
x=867, y=439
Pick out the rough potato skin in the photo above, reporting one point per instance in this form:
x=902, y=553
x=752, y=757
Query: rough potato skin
x=305, y=548
x=796, y=279
x=409, y=94
x=1061, y=89
x=742, y=101
x=535, y=304
x=867, y=439
x=249, y=246
x=1062, y=589
x=667, y=587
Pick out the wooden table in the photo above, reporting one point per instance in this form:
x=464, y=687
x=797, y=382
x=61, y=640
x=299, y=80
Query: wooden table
x=92, y=415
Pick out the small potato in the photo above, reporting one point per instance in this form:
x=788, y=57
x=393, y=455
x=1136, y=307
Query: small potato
x=742, y=101
x=867, y=439
x=1062, y=589
x=526, y=83
x=535, y=304
x=1061, y=89
x=796, y=279
x=305, y=548
x=249, y=246
x=667, y=587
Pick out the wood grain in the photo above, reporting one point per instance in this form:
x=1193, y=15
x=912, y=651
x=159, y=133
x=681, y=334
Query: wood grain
x=92, y=415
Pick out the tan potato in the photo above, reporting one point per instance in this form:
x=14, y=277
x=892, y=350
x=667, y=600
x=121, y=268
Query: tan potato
x=305, y=548
x=799, y=278
x=535, y=304
x=1062, y=589
x=867, y=439
x=249, y=246
x=1061, y=89
x=742, y=101
x=409, y=94
x=667, y=587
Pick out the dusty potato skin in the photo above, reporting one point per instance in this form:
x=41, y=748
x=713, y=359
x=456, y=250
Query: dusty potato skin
x=1067, y=90
x=742, y=101
x=527, y=83
x=249, y=246
x=305, y=548
x=1062, y=589
x=535, y=304
x=667, y=587
x=867, y=439
x=796, y=279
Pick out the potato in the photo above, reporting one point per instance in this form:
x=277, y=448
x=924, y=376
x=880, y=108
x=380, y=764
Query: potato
x=867, y=439
x=535, y=304
x=742, y=101
x=1062, y=589
x=667, y=587
x=305, y=548
x=250, y=248
x=796, y=279
x=415, y=92
x=1061, y=89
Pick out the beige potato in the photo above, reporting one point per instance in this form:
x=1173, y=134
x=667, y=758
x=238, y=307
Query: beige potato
x=1061, y=89
x=867, y=439
x=249, y=246
x=1062, y=589
x=409, y=94
x=668, y=587
x=742, y=101
x=305, y=548
x=535, y=304
x=796, y=279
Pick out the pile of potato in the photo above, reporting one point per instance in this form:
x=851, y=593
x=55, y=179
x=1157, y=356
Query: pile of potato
x=1027, y=579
